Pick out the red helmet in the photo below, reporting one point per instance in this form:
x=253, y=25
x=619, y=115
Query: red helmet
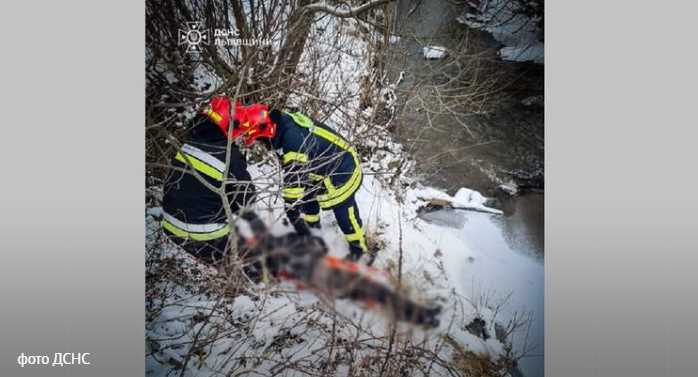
x=252, y=122
x=219, y=113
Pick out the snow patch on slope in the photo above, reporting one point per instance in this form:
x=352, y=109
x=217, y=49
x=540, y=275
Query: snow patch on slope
x=463, y=199
x=434, y=259
x=434, y=52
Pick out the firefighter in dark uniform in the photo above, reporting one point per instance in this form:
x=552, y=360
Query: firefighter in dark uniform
x=194, y=216
x=321, y=170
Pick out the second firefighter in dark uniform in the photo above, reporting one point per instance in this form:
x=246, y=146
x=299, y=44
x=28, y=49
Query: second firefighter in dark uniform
x=321, y=169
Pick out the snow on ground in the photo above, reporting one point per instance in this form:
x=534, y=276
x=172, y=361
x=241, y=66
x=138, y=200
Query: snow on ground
x=454, y=266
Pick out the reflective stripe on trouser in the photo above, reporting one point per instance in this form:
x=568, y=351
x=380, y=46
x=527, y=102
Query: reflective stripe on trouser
x=311, y=213
x=196, y=232
x=349, y=220
x=310, y=218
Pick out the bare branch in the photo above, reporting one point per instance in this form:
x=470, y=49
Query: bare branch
x=344, y=13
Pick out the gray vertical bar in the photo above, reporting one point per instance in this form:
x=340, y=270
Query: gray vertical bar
x=622, y=233
x=71, y=186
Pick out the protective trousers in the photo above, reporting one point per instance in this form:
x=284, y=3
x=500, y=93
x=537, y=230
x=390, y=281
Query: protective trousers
x=346, y=214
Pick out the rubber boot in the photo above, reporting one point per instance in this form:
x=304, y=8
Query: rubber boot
x=357, y=254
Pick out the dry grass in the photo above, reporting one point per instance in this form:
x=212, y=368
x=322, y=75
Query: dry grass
x=471, y=364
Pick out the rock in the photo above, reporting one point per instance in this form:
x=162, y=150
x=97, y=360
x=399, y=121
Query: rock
x=478, y=327
x=529, y=181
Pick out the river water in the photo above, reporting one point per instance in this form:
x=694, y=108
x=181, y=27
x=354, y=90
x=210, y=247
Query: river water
x=478, y=152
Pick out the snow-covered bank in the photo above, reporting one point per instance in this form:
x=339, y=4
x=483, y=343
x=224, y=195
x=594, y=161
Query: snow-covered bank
x=468, y=270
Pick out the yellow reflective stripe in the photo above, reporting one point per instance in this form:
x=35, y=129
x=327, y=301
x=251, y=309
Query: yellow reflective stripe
x=181, y=233
x=353, y=237
x=302, y=120
x=358, y=234
x=337, y=196
x=295, y=156
x=293, y=192
x=214, y=116
x=306, y=122
x=200, y=166
x=332, y=138
x=315, y=177
x=329, y=186
x=311, y=218
x=190, y=150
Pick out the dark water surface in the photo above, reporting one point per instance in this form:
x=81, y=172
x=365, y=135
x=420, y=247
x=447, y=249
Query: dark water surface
x=482, y=157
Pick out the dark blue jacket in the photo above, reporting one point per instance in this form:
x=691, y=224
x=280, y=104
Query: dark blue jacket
x=190, y=201
x=307, y=157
